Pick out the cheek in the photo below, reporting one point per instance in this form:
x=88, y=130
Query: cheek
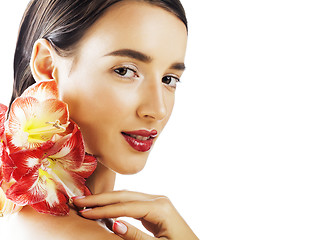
x=100, y=110
x=169, y=101
x=92, y=97
x=100, y=107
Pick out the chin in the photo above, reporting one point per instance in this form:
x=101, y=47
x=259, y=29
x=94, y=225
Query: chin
x=126, y=165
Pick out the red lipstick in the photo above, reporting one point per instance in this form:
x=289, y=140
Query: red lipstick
x=140, y=140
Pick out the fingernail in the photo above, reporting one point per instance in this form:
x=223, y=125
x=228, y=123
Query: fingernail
x=77, y=197
x=119, y=227
x=85, y=210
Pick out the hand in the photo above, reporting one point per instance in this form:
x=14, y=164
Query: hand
x=156, y=213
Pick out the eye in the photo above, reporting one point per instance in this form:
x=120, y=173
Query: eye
x=171, y=81
x=126, y=72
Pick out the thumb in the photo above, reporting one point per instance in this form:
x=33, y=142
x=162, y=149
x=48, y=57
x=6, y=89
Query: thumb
x=129, y=232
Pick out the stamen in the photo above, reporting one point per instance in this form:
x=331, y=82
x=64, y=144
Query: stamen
x=53, y=128
x=56, y=124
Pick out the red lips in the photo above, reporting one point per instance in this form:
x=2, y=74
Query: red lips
x=140, y=140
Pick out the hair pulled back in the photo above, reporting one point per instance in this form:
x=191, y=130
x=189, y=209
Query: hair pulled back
x=63, y=23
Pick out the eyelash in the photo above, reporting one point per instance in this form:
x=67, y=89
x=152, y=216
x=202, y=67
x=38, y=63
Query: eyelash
x=126, y=69
x=166, y=79
x=169, y=78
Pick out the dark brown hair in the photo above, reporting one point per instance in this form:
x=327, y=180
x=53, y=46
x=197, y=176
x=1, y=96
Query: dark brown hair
x=63, y=23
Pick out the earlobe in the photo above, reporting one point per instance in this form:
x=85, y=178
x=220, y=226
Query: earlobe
x=42, y=62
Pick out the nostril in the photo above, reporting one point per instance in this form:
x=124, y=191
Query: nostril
x=153, y=101
x=152, y=112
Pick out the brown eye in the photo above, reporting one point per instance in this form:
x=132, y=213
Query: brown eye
x=167, y=80
x=170, y=81
x=121, y=71
x=125, y=72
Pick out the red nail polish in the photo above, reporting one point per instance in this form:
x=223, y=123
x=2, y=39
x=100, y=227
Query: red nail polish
x=77, y=197
x=85, y=210
x=119, y=228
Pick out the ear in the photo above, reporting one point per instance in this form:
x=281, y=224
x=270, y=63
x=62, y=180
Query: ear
x=42, y=62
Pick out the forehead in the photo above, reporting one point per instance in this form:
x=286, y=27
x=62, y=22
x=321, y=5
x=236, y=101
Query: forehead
x=140, y=26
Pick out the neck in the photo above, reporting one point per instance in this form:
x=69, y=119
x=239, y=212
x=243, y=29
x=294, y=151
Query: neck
x=102, y=180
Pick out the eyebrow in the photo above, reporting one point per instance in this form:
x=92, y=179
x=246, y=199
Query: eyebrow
x=178, y=66
x=142, y=57
x=131, y=54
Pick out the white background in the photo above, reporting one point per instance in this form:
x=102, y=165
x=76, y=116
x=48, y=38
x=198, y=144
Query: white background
x=249, y=152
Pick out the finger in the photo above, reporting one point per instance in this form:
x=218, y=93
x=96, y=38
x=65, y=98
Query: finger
x=136, y=209
x=103, y=199
x=129, y=232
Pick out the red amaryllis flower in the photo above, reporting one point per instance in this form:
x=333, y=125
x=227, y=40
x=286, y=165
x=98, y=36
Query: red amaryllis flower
x=48, y=175
x=36, y=117
x=42, y=156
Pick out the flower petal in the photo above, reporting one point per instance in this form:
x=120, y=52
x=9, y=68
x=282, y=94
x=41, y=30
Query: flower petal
x=42, y=91
x=87, y=167
x=30, y=189
x=3, y=110
x=7, y=206
x=2, y=148
x=87, y=191
x=69, y=150
x=55, y=204
x=25, y=161
x=73, y=184
x=72, y=154
x=16, y=137
x=32, y=123
x=6, y=163
x=53, y=110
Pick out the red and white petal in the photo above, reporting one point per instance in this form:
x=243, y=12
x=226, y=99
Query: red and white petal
x=3, y=111
x=7, y=164
x=32, y=123
x=2, y=147
x=51, y=118
x=72, y=183
x=7, y=207
x=21, y=110
x=87, y=167
x=55, y=204
x=42, y=91
x=9, y=140
x=52, y=110
x=25, y=161
x=70, y=153
x=87, y=191
x=70, y=129
x=30, y=189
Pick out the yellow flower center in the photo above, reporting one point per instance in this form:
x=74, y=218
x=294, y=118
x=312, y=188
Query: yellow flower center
x=43, y=131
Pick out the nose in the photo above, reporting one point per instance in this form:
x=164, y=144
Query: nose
x=152, y=104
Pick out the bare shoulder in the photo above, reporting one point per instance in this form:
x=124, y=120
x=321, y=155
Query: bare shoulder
x=28, y=224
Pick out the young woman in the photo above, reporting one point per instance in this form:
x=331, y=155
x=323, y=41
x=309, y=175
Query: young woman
x=116, y=64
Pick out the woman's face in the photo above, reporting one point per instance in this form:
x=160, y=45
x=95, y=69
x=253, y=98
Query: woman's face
x=120, y=85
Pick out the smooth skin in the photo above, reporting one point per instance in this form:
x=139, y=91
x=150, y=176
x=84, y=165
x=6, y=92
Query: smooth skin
x=108, y=91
